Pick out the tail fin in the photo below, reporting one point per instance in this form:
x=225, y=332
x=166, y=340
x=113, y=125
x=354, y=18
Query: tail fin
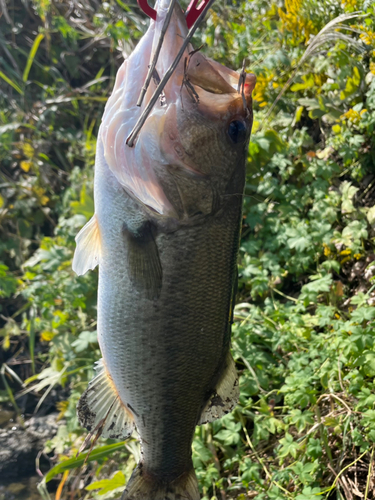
x=142, y=486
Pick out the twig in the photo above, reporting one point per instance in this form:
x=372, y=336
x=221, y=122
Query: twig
x=284, y=295
x=157, y=52
x=133, y=134
x=355, y=456
x=339, y=372
x=251, y=370
x=342, y=481
x=341, y=472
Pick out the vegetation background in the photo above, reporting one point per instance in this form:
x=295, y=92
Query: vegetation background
x=304, y=333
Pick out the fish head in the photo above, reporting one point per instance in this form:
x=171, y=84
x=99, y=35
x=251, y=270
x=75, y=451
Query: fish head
x=207, y=130
x=194, y=139
x=205, y=134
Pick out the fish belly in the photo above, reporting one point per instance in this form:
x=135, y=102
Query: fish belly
x=164, y=354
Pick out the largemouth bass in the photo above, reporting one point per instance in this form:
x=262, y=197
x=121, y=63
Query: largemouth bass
x=165, y=235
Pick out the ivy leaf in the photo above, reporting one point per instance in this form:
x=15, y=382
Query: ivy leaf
x=309, y=493
x=305, y=471
x=84, y=340
x=301, y=419
x=288, y=446
x=348, y=191
x=314, y=448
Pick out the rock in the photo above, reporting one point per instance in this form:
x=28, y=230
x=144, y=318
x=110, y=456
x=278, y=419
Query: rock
x=25, y=489
x=19, y=446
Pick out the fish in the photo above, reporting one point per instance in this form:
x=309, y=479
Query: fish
x=165, y=235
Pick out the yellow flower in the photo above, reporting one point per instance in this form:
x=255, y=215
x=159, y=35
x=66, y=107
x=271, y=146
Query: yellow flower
x=350, y=3
x=353, y=116
x=25, y=165
x=62, y=406
x=46, y=336
x=347, y=251
x=327, y=250
x=296, y=21
x=368, y=36
x=372, y=67
x=260, y=91
x=39, y=191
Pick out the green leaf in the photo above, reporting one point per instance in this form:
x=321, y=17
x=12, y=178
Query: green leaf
x=288, y=446
x=314, y=448
x=84, y=340
x=371, y=215
x=85, y=205
x=352, y=84
x=106, y=485
x=30, y=59
x=309, y=493
x=301, y=419
x=11, y=83
x=305, y=471
x=348, y=191
x=73, y=463
x=8, y=284
x=318, y=284
x=308, y=82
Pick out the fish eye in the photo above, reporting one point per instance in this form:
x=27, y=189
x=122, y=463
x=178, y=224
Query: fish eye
x=237, y=131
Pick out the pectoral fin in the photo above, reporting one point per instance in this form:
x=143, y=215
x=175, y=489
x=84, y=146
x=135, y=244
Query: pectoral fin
x=226, y=394
x=100, y=405
x=144, y=264
x=87, y=253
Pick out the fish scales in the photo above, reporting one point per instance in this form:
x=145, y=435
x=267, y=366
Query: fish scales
x=163, y=355
x=165, y=234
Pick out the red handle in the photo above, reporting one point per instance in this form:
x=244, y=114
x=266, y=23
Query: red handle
x=149, y=11
x=192, y=13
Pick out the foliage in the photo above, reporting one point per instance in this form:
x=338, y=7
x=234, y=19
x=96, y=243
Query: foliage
x=303, y=337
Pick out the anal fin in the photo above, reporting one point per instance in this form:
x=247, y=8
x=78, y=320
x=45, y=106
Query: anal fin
x=225, y=396
x=87, y=253
x=101, y=402
x=144, y=264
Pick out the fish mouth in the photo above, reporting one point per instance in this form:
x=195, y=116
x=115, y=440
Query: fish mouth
x=217, y=79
